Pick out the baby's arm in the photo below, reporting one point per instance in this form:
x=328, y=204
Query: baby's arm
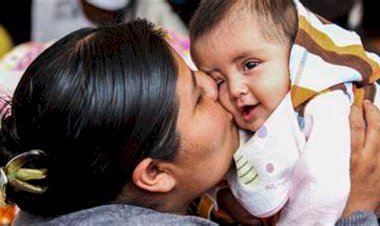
x=265, y=163
x=321, y=180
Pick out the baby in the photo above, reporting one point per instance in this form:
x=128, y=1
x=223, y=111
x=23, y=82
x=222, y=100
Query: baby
x=289, y=77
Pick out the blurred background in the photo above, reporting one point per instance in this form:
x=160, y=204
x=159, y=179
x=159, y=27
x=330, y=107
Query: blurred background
x=46, y=20
x=28, y=26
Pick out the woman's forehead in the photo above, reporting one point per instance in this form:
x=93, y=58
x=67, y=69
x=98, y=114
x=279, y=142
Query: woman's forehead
x=184, y=72
x=187, y=86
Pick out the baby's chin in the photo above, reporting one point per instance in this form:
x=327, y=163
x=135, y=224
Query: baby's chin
x=247, y=126
x=253, y=126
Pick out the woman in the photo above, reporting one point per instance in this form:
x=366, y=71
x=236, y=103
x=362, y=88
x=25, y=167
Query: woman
x=109, y=126
x=120, y=118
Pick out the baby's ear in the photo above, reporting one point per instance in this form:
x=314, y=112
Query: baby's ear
x=151, y=175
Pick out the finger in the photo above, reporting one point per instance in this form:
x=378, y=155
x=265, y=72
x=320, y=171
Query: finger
x=357, y=126
x=372, y=117
x=372, y=113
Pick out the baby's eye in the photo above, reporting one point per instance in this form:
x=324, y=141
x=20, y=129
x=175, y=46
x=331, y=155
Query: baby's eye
x=249, y=65
x=219, y=82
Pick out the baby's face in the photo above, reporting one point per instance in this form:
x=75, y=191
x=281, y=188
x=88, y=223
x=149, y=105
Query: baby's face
x=251, y=72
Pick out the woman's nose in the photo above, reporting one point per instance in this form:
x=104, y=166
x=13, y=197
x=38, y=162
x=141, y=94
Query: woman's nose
x=208, y=85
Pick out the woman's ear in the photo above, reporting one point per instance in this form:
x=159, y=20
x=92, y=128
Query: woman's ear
x=152, y=175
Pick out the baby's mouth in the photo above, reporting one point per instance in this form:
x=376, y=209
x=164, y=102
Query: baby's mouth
x=248, y=112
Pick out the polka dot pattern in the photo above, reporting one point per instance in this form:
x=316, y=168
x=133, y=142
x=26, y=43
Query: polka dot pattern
x=270, y=167
x=262, y=132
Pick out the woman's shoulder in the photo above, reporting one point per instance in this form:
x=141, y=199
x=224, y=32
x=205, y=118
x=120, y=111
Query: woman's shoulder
x=115, y=214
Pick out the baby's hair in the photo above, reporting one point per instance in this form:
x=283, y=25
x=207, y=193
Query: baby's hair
x=277, y=18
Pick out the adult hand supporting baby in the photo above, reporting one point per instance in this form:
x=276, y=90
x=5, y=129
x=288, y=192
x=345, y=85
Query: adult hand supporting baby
x=365, y=159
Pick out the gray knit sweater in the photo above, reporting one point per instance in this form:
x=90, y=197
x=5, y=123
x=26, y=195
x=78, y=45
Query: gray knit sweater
x=364, y=218
x=113, y=215
x=133, y=215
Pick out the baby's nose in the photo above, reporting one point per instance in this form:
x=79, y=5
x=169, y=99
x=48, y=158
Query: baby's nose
x=208, y=85
x=237, y=88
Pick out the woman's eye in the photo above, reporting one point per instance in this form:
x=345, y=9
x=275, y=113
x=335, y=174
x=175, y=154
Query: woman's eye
x=249, y=65
x=201, y=96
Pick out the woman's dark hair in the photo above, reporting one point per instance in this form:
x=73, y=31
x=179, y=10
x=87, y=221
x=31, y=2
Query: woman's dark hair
x=97, y=102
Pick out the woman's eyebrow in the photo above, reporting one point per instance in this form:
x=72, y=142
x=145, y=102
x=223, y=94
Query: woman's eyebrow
x=256, y=52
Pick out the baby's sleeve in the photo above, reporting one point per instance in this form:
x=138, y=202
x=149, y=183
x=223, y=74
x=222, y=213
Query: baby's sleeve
x=321, y=181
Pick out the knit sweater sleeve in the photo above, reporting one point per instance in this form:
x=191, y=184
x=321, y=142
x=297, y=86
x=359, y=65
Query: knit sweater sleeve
x=362, y=218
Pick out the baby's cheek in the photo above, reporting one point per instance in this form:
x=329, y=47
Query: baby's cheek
x=225, y=100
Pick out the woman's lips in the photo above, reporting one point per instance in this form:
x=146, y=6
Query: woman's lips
x=248, y=112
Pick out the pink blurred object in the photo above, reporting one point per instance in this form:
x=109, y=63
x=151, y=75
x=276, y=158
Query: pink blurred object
x=182, y=45
x=15, y=62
